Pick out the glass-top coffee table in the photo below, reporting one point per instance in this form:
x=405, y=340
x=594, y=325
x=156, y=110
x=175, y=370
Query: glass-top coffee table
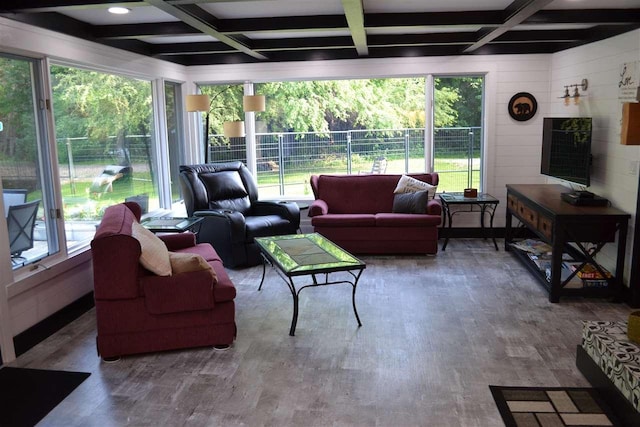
x=312, y=255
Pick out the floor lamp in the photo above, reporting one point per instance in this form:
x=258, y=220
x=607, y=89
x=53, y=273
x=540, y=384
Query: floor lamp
x=201, y=103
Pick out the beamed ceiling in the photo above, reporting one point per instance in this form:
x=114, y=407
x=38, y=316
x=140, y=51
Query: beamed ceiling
x=201, y=32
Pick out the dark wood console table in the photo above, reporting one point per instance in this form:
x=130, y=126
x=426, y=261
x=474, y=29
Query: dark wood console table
x=541, y=209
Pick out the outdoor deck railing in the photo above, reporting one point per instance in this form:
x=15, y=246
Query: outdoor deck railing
x=286, y=160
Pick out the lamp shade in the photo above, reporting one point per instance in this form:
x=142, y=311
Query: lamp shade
x=197, y=103
x=253, y=103
x=233, y=129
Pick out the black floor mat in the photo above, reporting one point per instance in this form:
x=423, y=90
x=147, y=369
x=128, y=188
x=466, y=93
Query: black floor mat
x=27, y=395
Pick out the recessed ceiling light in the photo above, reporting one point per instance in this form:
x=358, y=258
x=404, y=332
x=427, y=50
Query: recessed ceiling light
x=119, y=10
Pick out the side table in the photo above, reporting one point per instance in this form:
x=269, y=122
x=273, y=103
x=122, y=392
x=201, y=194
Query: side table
x=168, y=224
x=483, y=203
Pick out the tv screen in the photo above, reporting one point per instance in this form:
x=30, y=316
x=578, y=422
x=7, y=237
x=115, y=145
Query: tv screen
x=566, y=149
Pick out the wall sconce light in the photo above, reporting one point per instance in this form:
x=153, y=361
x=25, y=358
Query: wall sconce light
x=568, y=96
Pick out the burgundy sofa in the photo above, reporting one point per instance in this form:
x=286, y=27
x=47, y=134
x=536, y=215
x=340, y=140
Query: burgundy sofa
x=138, y=311
x=355, y=212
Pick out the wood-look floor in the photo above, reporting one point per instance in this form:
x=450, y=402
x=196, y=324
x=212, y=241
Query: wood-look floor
x=437, y=331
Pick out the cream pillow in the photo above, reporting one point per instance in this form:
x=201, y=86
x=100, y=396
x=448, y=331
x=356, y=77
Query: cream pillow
x=155, y=255
x=407, y=184
x=184, y=263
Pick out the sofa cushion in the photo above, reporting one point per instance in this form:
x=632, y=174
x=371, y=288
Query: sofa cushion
x=411, y=203
x=182, y=262
x=344, y=220
x=407, y=184
x=406, y=220
x=155, y=255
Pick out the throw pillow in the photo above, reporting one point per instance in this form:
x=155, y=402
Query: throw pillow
x=184, y=263
x=155, y=255
x=407, y=184
x=633, y=327
x=415, y=203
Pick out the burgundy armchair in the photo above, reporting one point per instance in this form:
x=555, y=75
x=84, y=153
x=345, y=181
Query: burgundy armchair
x=138, y=311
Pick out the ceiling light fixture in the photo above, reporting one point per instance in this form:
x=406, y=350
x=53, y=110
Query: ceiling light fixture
x=117, y=10
x=568, y=96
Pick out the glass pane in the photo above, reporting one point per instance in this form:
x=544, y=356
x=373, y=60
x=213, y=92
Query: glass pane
x=226, y=108
x=105, y=149
x=174, y=136
x=20, y=150
x=457, y=133
x=337, y=126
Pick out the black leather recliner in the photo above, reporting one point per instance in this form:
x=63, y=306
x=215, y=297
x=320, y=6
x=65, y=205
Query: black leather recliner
x=226, y=196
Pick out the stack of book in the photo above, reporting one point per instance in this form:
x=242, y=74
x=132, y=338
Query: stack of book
x=591, y=277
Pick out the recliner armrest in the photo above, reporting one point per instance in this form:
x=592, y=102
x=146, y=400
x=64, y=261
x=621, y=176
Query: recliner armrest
x=287, y=210
x=219, y=222
x=318, y=207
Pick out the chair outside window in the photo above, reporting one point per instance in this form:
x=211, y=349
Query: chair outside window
x=21, y=221
x=379, y=166
x=13, y=196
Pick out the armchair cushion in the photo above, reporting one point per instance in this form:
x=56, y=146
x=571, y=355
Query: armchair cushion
x=155, y=255
x=190, y=291
x=182, y=262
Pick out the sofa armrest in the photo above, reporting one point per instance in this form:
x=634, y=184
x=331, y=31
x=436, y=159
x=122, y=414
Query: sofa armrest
x=434, y=207
x=178, y=293
x=318, y=207
x=175, y=241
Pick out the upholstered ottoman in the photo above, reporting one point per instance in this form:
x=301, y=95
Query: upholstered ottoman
x=611, y=363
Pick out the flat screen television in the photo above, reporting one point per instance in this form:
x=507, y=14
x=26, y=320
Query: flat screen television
x=566, y=149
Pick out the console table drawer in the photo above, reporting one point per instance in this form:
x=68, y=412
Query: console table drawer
x=527, y=214
x=545, y=226
x=512, y=202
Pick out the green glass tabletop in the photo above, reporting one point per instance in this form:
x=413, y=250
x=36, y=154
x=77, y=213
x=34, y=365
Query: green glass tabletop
x=298, y=254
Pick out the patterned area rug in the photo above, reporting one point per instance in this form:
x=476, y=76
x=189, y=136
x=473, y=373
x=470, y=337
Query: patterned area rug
x=27, y=395
x=551, y=407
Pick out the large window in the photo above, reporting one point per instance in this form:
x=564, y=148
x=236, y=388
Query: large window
x=106, y=154
x=26, y=186
x=175, y=140
x=458, y=132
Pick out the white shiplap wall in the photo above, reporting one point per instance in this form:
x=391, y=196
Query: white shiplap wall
x=613, y=173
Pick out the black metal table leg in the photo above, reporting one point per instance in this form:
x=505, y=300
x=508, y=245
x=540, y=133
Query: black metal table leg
x=448, y=219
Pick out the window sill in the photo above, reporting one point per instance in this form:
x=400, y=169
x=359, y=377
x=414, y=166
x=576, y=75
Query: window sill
x=39, y=272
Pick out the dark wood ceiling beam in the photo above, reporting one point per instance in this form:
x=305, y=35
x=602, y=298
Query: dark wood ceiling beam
x=131, y=31
x=421, y=39
x=355, y=19
x=586, y=16
x=401, y=20
x=190, y=48
x=602, y=32
x=198, y=22
x=542, y=36
x=280, y=24
x=521, y=48
x=518, y=11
